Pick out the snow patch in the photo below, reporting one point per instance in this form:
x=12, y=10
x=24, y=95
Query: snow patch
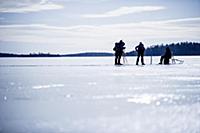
x=47, y=86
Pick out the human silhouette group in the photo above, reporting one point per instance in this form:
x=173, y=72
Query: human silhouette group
x=140, y=49
x=119, y=50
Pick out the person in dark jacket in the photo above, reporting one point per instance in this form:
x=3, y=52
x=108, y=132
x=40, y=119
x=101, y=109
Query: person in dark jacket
x=119, y=47
x=140, y=50
x=166, y=56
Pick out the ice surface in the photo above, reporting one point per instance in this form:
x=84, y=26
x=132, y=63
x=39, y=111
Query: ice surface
x=91, y=95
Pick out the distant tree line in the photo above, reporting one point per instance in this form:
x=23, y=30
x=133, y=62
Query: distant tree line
x=89, y=54
x=86, y=54
x=29, y=55
x=182, y=48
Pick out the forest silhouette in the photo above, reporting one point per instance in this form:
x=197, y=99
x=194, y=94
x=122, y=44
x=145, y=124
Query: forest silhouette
x=181, y=48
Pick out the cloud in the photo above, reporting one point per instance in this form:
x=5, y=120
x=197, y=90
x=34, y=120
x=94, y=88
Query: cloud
x=23, y=6
x=101, y=38
x=124, y=11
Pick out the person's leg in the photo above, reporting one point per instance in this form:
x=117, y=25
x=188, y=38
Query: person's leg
x=119, y=58
x=161, y=59
x=166, y=61
x=142, y=58
x=137, y=59
x=115, y=59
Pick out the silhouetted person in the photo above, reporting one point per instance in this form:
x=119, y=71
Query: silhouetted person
x=140, y=50
x=119, y=47
x=166, y=56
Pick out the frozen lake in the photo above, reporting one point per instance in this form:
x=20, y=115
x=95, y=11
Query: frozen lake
x=91, y=95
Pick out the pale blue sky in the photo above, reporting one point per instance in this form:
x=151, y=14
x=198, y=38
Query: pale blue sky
x=70, y=26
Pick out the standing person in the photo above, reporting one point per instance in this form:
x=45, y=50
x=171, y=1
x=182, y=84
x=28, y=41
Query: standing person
x=166, y=56
x=140, y=50
x=119, y=47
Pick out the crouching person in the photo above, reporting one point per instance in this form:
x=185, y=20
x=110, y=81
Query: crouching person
x=166, y=57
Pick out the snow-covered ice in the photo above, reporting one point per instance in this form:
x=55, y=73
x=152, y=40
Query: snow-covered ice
x=91, y=95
